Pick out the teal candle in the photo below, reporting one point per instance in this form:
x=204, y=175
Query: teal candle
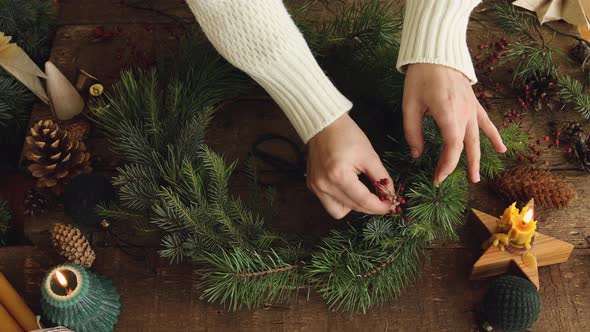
x=79, y=299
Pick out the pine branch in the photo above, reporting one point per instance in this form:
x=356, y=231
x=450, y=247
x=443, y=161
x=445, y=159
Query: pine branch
x=240, y=278
x=513, y=20
x=531, y=61
x=31, y=24
x=572, y=92
x=5, y=217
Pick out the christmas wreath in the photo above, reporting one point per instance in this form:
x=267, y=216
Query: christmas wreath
x=157, y=121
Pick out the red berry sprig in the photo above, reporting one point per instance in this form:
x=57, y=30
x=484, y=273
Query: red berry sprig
x=384, y=194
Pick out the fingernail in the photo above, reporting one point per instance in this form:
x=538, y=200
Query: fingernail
x=414, y=153
x=440, y=180
x=477, y=178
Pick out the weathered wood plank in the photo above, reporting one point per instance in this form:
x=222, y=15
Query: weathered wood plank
x=441, y=299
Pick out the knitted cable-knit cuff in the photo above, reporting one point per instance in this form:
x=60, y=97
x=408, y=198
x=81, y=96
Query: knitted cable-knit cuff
x=260, y=38
x=435, y=31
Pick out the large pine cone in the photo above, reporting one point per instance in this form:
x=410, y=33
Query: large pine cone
x=582, y=152
x=71, y=243
x=55, y=156
x=523, y=183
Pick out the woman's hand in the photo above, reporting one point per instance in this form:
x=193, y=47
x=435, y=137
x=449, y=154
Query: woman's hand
x=337, y=155
x=447, y=96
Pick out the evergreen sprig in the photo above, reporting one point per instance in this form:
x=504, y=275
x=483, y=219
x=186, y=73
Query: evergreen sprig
x=5, y=217
x=572, y=92
x=31, y=24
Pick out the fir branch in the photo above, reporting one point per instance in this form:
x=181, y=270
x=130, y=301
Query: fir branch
x=572, y=92
x=513, y=20
x=5, y=217
x=531, y=61
x=234, y=278
x=31, y=24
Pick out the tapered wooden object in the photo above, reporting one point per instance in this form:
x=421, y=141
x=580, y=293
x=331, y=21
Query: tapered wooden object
x=547, y=250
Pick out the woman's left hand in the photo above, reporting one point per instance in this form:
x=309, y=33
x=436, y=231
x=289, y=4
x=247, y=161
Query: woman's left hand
x=446, y=94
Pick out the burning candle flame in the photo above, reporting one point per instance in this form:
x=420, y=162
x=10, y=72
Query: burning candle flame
x=61, y=279
x=528, y=216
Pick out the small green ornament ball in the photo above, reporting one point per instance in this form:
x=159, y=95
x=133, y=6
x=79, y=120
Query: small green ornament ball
x=511, y=304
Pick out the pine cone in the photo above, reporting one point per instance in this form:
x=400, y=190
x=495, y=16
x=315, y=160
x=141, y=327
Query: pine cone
x=71, y=243
x=37, y=201
x=523, y=183
x=572, y=131
x=543, y=94
x=582, y=152
x=55, y=156
x=579, y=52
x=78, y=128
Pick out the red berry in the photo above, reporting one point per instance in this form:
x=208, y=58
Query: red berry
x=401, y=187
x=570, y=150
x=538, y=153
x=557, y=133
x=98, y=32
x=556, y=141
x=407, y=219
x=481, y=46
x=546, y=138
x=384, y=181
x=526, y=87
x=402, y=202
x=534, y=159
x=398, y=209
x=539, y=140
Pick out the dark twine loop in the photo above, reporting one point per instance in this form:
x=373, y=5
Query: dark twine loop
x=280, y=170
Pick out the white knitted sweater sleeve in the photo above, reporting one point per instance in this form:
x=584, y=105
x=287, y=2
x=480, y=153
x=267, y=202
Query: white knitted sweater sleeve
x=435, y=31
x=260, y=38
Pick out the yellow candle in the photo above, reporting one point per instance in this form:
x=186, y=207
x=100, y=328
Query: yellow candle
x=523, y=230
x=505, y=222
x=7, y=323
x=16, y=306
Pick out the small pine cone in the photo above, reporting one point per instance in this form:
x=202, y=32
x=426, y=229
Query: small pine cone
x=572, y=131
x=579, y=52
x=55, y=156
x=71, y=243
x=78, y=128
x=37, y=201
x=523, y=183
x=543, y=94
x=582, y=152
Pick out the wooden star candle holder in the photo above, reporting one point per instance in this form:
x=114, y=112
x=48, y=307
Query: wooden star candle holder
x=498, y=259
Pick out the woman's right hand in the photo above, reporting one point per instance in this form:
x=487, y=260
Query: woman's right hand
x=337, y=155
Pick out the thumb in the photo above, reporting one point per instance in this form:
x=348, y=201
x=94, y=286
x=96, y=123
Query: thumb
x=413, y=128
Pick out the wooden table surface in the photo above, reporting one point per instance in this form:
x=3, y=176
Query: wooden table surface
x=157, y=296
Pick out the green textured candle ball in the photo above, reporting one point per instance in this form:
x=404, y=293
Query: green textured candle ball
x=511, y=304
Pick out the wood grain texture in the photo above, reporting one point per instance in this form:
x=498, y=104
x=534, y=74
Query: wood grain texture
x=158, y=297
x=442, y=299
